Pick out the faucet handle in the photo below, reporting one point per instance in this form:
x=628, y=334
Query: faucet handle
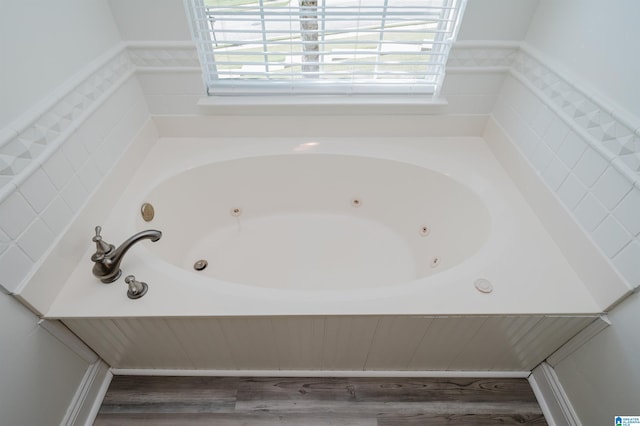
x=102, y=247
x=137, y=289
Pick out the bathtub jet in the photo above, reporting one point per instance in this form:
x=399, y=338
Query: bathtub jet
x=107, y=258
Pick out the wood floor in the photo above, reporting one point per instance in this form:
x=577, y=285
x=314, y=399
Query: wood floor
x=269, y=401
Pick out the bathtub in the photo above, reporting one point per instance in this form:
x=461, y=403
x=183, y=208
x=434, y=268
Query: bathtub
x=317, y=246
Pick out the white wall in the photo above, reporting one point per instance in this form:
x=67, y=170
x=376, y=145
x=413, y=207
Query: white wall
x=602, y=378
x=43, y=43
x=39, y=374
x=596, y=42
x=496, y=19
x=557, y=109
x=151, y=20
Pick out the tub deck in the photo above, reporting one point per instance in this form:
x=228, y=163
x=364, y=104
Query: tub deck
x=529, y=274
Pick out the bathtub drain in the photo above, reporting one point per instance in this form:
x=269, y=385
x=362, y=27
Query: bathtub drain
x=200, y=265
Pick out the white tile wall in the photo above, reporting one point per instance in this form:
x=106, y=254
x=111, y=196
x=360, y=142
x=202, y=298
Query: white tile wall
x=36, y=240
x=610, y=236
x=556, y=133
x=75, y=152
x=571, y=149
x=611, y=187
x=628, y=212
x=57, y=215
x=590, y=167
x=74, y=194
x=627, y=262
x=571, y=191
x=597, y=189
x=58, y=169
x=15, y=265
x=590, y=212
x=15, y=215
x=556, y=173
x=38, y=190
x=542, y=120
x=5, y=242
x=542, y=156
x=42, y=207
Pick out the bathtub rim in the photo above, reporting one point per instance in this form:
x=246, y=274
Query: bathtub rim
x=377, y=303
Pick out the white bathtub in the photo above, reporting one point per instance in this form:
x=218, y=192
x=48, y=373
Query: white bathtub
x=329, y=227
x=329, y=240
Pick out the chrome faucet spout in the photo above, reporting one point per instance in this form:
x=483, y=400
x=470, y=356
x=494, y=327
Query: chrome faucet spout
x=107, y=259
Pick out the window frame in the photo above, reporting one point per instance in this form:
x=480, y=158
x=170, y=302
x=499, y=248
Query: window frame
x=199, y=21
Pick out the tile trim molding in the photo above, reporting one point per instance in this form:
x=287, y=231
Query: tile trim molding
x=30, y=140
x=607, y=130
x=27, y=142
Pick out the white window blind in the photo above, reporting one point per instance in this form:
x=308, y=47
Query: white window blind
x=324, y=46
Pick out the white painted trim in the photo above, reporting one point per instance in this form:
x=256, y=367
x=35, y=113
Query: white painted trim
x=70, y=340
x=97, y=400
x=320, y=373
x=542, y=401
x=552, y=398
x=320, y=100
x=89, y=395
x=164, y=44
x=484, y=44
x=578, y=340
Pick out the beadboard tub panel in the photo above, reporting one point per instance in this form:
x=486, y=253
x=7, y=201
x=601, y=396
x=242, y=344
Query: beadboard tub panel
x=372, y=343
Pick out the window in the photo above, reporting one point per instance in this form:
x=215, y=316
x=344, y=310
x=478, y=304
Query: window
x=324, y=46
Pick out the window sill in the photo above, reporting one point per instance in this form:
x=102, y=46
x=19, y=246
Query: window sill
x=328, y=105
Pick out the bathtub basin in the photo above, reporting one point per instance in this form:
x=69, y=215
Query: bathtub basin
x=328, y=227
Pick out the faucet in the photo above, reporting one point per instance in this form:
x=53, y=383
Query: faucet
x=107, y=258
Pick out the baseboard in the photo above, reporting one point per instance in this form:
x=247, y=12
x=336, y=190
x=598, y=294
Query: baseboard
x=553, y=401
x=318, y=373
x=87, y=400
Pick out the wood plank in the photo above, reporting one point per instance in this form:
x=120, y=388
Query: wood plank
x=385, y=408
x=366, y=389
x=151, y=394
x=464, y=420
x=295, y=388
x=222, y=419
x=443, y=389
